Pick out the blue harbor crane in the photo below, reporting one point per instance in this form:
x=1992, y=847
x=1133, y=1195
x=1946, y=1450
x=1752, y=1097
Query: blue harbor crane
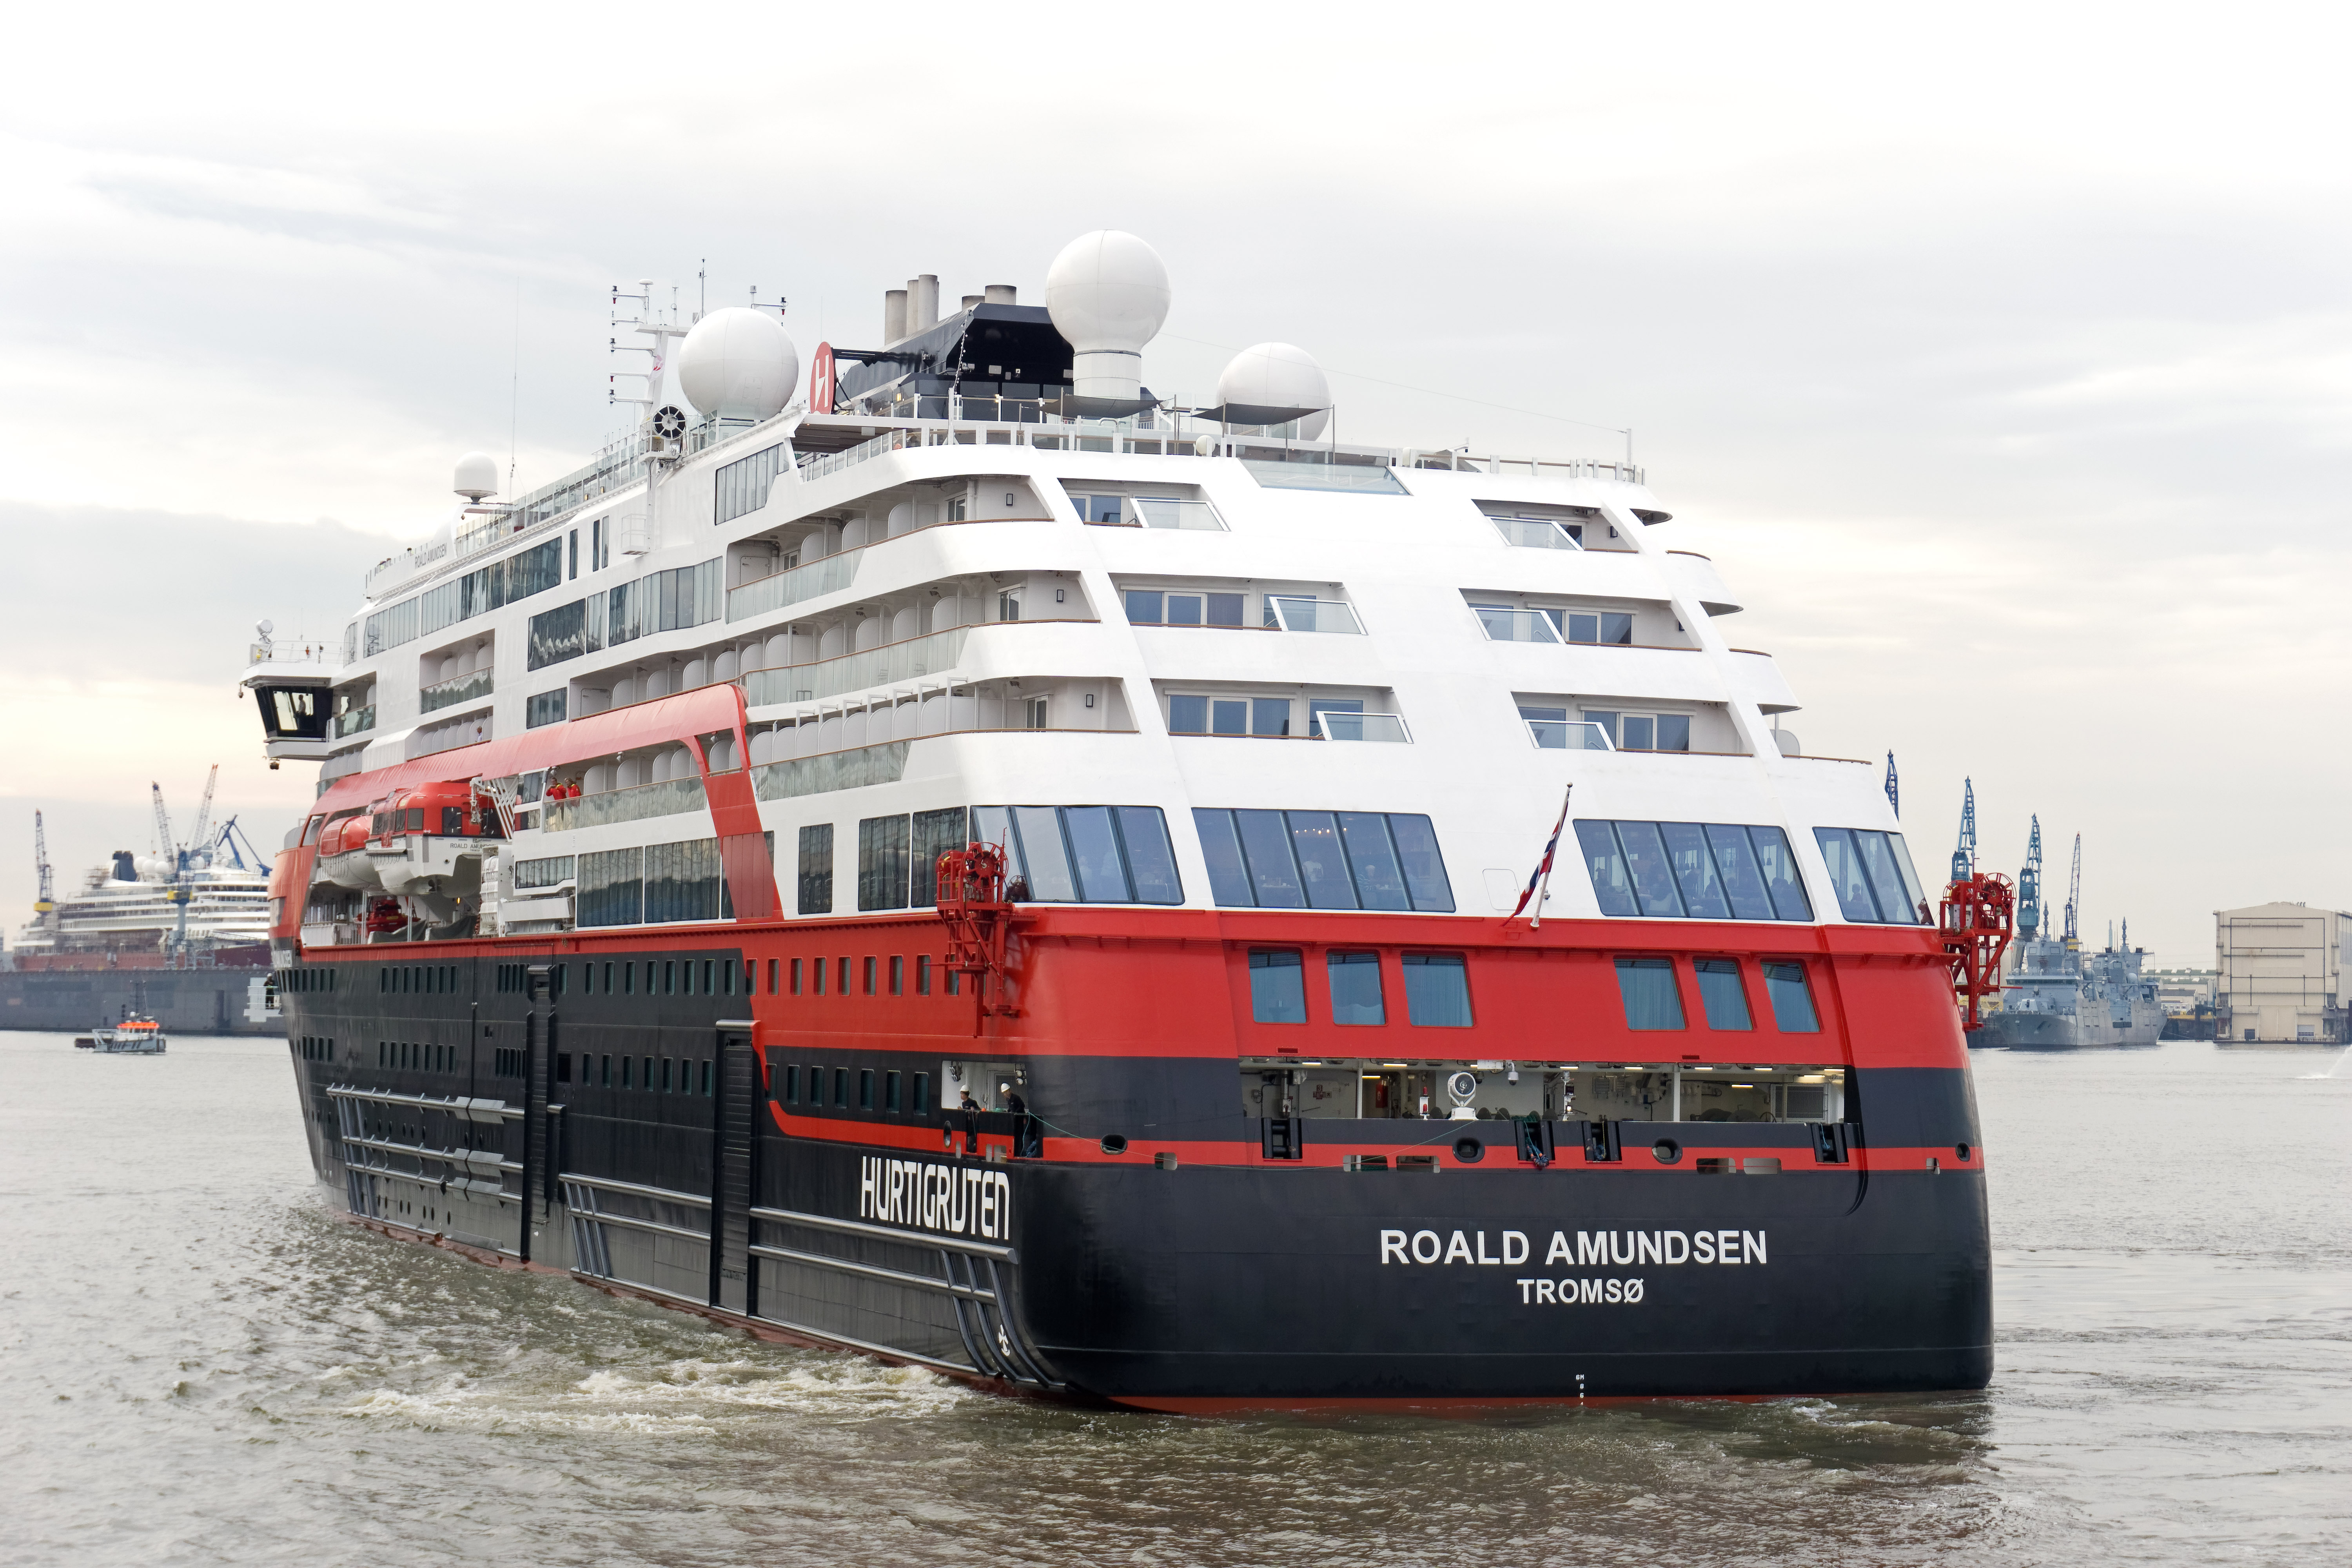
x=1964, y=856
x=2074, y=895
x=2029, y=886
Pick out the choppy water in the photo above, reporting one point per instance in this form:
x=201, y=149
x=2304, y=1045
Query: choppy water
x=198, y=1365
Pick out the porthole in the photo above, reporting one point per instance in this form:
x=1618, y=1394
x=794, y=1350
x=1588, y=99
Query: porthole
x=1961, y=1151
x=1469, y=1151
x=1667, y=1150
x=1113, y=1144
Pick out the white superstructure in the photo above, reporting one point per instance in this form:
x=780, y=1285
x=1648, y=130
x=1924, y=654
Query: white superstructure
x=990, y=566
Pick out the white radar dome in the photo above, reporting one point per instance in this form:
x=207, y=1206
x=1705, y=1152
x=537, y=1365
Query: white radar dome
x=1107, y=294
x=1270, y=384
x=738, y=364
x=477, y=476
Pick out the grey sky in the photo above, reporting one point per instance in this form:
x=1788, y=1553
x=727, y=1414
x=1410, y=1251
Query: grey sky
x=1999, y=358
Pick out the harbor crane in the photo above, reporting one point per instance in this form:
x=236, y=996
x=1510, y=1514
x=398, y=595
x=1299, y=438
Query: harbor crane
x=197, y=846
x=2075, y=896
x=164, y=847
x=45, y=904
x=1964, y=856
x=2029, y=886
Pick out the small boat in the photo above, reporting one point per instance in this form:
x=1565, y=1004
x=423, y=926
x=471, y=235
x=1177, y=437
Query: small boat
x=134, y=1037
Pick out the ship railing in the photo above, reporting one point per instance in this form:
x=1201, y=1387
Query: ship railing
x=449, y=693
x=353, y=721
x=912, y=660
x=1333, y=725
x=1568, y=735
x=1298, y=614
x=666, y=798
x=1517, y=626
x=269, y=651
x=1536, y=533
x=1527, y=467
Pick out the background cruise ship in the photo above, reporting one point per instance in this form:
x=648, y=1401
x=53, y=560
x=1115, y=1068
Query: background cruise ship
x=975, y=863
x=181, y=934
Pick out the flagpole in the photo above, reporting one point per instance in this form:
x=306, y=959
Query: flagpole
x=1543, y=892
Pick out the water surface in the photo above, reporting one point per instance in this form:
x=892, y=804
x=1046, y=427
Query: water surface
x=199, y=1365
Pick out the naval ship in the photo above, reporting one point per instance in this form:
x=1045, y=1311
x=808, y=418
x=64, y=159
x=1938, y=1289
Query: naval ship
x=2055, y=995
x=970, y=860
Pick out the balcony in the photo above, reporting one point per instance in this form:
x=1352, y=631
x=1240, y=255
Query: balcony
x=793, y=585
x=1517, y=626
x=452, y=693
x=352, y=721
x=667, y=798
x=909, y=660
x=1161, y=512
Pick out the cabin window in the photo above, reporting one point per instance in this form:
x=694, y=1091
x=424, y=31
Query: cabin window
x=624, y=1071
x=890, y=1093
x=922, y=974
x=1721, y=994
x=562, y=1066
x=1792, y=1001
x=882, y=863
x=841, y=1088
x=788, y=1078
x=1277, y=986
x=898, y=975
x=796, y=976
x=841, y=977
x=816, y=869
x=706, y=1080
x=604, y=1071
x=920, y=1102
x=1437, y=990
x=865, y=1089
x=772, y=975
x=869, y=977
x=1647, y=987
x=669, y=977
x=821, y=966
x=1355, y=979
x=708, y=975
x=666, y=1072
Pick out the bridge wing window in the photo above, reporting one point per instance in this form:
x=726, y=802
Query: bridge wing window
x=1872, y=874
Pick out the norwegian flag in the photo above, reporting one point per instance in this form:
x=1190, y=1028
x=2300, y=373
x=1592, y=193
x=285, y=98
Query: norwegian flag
x=1541, y=879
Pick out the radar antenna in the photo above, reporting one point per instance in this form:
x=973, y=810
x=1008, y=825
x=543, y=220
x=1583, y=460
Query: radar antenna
x=2029, y=889
x=2074, y=894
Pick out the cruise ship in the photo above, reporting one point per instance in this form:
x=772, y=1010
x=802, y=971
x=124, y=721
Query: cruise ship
x=967, y=860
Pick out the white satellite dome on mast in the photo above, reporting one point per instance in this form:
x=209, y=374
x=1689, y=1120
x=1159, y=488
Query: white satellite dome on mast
x=477, y=476
x=1274, y=383
x=738, y=364
x=1107, y=294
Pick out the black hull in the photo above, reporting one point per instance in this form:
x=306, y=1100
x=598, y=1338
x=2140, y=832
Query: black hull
x=184, y=1001
x=1224, y=1281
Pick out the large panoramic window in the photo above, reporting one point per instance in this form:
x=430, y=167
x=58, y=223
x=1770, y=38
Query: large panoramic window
x=1693, y=871
x=1871, y=873
x=1324, y=860
x=1082, y=854
x=1647, y=987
